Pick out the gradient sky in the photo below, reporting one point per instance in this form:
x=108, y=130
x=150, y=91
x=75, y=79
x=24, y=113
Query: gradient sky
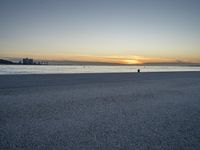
x=127, y=31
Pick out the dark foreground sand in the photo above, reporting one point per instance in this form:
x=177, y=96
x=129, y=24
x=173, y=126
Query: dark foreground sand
x=100, y=111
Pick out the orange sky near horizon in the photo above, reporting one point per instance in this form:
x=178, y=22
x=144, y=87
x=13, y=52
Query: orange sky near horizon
x=119, y=59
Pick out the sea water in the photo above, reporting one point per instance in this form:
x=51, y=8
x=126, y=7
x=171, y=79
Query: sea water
x=54, y=69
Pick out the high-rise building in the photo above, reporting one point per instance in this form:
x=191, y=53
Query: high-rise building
x=27, y=61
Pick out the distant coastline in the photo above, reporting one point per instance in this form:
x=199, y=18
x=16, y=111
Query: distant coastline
x=25, y=61
x=6, y=62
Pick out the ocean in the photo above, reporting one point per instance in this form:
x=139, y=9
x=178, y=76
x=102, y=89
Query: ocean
x=56, y=69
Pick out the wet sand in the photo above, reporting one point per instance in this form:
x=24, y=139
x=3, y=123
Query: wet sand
x=100, y=111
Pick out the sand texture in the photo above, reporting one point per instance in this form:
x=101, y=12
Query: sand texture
x=100, y=111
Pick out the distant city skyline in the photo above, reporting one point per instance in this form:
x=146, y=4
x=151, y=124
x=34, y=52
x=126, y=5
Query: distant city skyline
x=114, y=31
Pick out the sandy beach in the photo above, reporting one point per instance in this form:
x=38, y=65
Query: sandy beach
x=100, y=111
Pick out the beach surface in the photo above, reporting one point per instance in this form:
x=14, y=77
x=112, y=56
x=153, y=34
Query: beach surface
x=100, y=111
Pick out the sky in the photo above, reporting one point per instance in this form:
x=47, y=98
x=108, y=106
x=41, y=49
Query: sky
x=123, y=31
